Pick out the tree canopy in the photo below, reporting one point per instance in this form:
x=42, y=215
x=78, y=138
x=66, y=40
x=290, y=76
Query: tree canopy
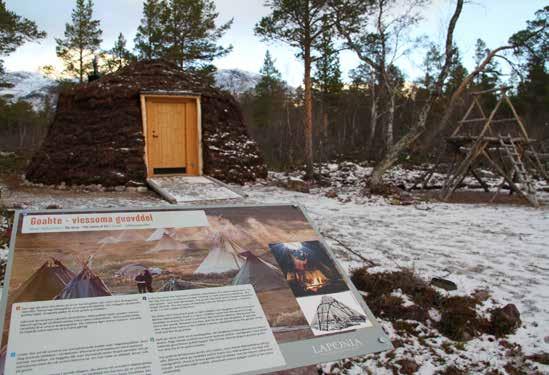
x=148, y=38
x=15, y=31
x=82, y=39
x=182, y=31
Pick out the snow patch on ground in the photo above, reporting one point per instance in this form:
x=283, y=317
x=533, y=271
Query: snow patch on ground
x=498, y=248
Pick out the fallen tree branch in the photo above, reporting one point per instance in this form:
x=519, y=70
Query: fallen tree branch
x=371, y=263
x=418, y=128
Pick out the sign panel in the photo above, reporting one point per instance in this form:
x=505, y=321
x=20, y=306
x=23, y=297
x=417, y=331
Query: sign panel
x=86, y=222
x=224, y=290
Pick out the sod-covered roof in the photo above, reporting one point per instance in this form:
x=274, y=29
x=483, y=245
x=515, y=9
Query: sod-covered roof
x=96, y=136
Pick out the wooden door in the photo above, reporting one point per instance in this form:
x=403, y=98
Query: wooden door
x=172, y=136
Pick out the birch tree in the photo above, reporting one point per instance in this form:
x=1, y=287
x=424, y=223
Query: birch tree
x=379, y=37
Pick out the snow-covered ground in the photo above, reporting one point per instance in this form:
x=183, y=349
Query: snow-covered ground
x=502, y=249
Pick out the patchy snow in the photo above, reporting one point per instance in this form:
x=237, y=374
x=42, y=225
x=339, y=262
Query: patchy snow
x=187, y=189
x=498, y=248
x=502, y=249
x=406, y=301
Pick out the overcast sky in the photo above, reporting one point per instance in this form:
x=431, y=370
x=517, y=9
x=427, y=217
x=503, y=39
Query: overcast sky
x=492, y=20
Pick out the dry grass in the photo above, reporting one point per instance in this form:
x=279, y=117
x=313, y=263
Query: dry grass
x=459, y=321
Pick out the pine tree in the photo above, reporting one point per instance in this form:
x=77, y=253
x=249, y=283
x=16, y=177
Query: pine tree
x=269, y=93
x=118, y=56
x=533, y=91
x=148, y=38
x=535, y=86
x=299, y=24
x=189, y=33
x=271, y=79
x=82, y=39
x=361, y=77
x=15, y=31
x=489, y=77
x=432, y=63
x=456, y=74
x=327, y=78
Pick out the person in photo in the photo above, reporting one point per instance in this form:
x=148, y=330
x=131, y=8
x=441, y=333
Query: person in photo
x=147, y=276
x=141, y=282
x=300, y=263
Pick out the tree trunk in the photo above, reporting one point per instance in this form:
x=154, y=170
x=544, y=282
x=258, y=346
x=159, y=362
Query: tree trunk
x=325, y=122
x=354, y=131
x=22, y=134
x=81, y=62
x=373, y=125
x=389, y=136
x=308, y=113
x=324, y=135
x=290, y=143
x=403, y=143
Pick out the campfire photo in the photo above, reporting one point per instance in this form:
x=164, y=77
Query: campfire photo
x=308, y=268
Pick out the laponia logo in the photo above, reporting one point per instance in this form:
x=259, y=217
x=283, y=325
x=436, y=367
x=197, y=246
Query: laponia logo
x=336, y=346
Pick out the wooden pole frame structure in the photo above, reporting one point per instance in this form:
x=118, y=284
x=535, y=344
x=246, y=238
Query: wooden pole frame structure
x=510, y=154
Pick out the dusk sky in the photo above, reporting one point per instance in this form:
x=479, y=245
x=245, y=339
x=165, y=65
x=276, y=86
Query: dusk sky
x=492, y=20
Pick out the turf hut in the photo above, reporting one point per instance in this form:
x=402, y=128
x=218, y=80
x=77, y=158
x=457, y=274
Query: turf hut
x=85, y=284
x=148, y=119
x=46, y=283
x=261, y=275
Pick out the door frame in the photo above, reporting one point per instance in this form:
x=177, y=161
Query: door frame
x=144, y=95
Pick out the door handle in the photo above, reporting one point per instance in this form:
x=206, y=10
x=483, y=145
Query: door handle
x=154, y=134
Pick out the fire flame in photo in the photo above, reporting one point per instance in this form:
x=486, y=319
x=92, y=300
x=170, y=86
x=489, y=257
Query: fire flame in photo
x=314, y=280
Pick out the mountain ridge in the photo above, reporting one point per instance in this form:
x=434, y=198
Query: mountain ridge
x=34, y=87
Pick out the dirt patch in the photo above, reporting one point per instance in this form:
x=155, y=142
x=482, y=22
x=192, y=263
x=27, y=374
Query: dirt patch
x=97, y=133
x=418, y=313
x=452, y=370
x=385, y=189
x=542, y=358
x=459, y=318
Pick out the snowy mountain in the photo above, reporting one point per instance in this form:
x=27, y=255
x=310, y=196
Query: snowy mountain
x=236, y=81
x=28, y=86
x=34, y=87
